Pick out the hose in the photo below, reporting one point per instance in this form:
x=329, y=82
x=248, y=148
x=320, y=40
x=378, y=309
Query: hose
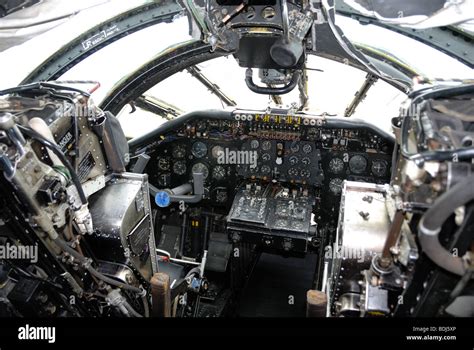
x=113, y=282
x=64, y=246
x=131, y=310
x=432, y=221
x=442, y=156
x=423, y=95
x=441, y=92
x=145, y=306
x=165, y=197
x=196, y=270
x=191, y=199
x=57, y=151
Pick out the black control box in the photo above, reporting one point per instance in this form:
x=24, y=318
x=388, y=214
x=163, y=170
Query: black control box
x=273, y=217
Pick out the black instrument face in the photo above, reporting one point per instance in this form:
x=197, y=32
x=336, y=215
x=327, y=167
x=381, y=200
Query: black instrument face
x=254, y=144
x=179, y=152
x=179, y=168
x=335, y=186
x=336, y=165
x=218, y=173
x=294, y=160
x=217, y=151
x=201, y=168
x=164, y=164
x=379, y=168
x=266, y=145
x=307, y=149
x=199, y=149
x=358, y=164
x=295, y=147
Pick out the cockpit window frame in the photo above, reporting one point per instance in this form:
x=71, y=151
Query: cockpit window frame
x=460, y=42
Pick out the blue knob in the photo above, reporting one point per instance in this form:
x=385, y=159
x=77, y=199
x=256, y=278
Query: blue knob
x=163, y=199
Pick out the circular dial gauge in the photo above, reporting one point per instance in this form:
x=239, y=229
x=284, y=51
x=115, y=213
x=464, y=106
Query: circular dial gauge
x=379, y=168
x=307, y=149
x=295, y=147
x=221, y=196
x=179, y=168
x=336, y=186
x=293, y=172
x=305, y=173
x=358, y=164
x=306, y=161
x=266, y=157
x=267, y=145
x=164, y=164
x=218, y=173
x=201, y=168
x=217, y=151
x=294, y=160
x=336, y=165
x=254, y=144
x=179, y=152
x=266, y=170
x=199, y=149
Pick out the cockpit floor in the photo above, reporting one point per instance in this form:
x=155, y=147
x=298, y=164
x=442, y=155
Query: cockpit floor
x=278, y=286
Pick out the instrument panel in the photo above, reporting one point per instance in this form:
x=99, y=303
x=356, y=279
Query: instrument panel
x=287, y=161
x=295, y=150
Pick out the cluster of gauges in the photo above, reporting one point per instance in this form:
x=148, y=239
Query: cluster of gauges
x=266, y=157
x=179, y=165
x=358, y=165
x=292, y=161
x=295, y=160
x=199, y=150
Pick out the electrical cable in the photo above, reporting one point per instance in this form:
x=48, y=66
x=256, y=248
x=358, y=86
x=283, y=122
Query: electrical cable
x=40, y=86
x=423, y=95
x=57, y=151
x=66, y=248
